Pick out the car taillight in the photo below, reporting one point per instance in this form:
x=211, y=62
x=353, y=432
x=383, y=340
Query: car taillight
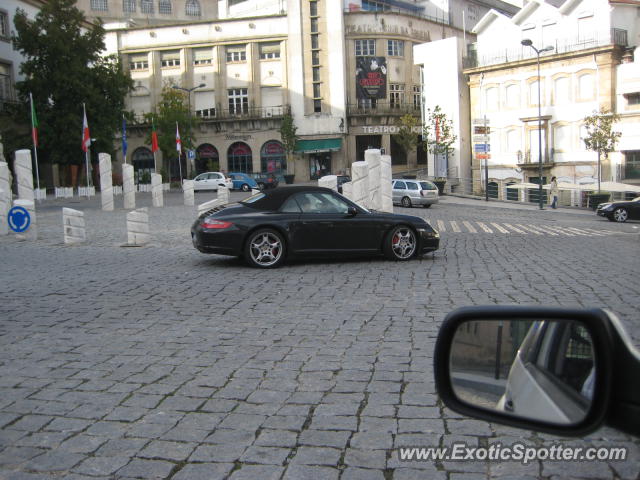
x=213, y=223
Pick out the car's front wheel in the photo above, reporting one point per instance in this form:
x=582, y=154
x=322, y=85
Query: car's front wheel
x=265, y=248
x=400, y=243
x=245, y=187
x=406, y=202
x=620, y=215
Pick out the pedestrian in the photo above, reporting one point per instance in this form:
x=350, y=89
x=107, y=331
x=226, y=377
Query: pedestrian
x=553, y=193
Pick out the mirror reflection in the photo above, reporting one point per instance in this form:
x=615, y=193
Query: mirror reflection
x=541, y=370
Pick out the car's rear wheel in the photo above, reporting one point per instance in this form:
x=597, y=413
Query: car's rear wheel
x=406, y=202
x=400, y=243
x=265, y=248
x=245, y=187
x=620, y=215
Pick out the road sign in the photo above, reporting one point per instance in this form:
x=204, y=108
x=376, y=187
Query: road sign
x=480, y=147
x=483, y=156
x=191, y=154
x=19, y=219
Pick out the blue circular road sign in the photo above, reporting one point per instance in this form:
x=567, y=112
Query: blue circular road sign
x=19, y=219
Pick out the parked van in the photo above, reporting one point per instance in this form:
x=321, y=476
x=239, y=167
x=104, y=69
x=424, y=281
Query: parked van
x=414, y=192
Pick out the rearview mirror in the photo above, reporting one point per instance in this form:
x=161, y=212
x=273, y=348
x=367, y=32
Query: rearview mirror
x=352, y=211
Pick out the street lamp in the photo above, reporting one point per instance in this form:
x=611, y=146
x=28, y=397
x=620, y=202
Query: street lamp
x=528, y=43
x=188, y=90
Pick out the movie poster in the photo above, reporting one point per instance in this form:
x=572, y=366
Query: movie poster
x=371, y=77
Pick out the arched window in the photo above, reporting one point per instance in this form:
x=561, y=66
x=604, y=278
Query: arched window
x=164, y=7
x=146, y=6
x=143, y=164
x=512, y=94
x=492, y=189
x=512, y=193
x=239, y=158
x=207, y=158
x=272, y=157
x=561, y=94
x=192, y=8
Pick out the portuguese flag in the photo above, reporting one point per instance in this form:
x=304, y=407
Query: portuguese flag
x=34, y=122
x=154, y=138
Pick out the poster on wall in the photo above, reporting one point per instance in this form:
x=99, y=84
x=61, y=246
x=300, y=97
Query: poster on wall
x=371, y=77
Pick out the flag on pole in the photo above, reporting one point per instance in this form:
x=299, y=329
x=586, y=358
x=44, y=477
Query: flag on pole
x=437, y=130
x=124, y=138
x=86, y=138
x=34, y=122
x=178, y=140
x=154, y=138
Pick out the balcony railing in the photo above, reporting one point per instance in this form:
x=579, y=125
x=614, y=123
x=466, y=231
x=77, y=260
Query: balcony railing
x=383, y=109
x=614, y=36
x=252, y=113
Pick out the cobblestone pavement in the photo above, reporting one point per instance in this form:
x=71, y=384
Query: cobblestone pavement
x=161, y=362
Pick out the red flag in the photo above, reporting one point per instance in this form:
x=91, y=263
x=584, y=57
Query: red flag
x=86, y=138
x=437, y=130
x=178, y=141
x=154, y=138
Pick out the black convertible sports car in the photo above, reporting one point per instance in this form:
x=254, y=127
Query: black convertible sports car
x=620, y=211
x=302, y=221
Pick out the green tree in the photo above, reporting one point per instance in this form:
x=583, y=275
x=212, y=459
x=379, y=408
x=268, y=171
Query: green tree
x=601, y=137
x=408, y=137
x=438, y=133
x=63, y=69
x=289, y=138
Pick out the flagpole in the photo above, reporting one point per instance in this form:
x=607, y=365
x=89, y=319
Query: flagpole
x=35, y=147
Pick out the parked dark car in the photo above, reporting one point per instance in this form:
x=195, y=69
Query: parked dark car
x=303, y=221
x=342, y=179
x=265, y=180
x=620, y=211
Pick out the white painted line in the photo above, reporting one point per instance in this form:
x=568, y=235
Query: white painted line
x=517, y=230
x=484, y=227
x=469, y=227
x=528, y=229
x=455, y=226
x=546, y=230
x=500, y=229
x=441, y=227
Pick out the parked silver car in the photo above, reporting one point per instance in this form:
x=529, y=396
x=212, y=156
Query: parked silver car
x=414, y=192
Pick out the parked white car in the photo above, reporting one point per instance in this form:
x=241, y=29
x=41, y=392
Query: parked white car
x=414, y=192
x=211, y=181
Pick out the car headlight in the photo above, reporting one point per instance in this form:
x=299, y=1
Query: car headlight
x=605, y=206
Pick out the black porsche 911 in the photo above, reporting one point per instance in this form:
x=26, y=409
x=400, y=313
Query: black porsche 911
x=620, y=211
x=302, y=221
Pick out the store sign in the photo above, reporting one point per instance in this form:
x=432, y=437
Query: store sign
x=371, y=77
x=390, y=129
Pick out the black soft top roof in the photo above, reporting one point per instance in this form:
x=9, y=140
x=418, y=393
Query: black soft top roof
x=273, y=199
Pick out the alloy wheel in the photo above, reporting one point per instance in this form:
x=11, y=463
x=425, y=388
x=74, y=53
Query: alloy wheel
x=406, y=202
x=620, y=215
x=403, y=243
x=266, y=249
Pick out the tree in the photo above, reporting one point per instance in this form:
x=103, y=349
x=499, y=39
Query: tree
x=289, y=138
x=63, y=69
x=601, y=137
x=407, y=137
x=438, y=133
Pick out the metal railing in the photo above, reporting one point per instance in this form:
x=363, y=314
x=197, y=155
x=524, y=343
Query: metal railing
x=383, y=109
x=240, y=113
x=441, y=20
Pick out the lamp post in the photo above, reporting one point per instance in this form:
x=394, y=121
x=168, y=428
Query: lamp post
x=188, y=90
x=528, y=43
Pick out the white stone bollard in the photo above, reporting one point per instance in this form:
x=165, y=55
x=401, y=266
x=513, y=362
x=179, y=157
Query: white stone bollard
x=73, y=224
x=5, y=197
x=156, y=190
x=386, y=190
x=106, y=182
x=203, y=207
x=187, y=188
x=32, y=232
x=138, y=227
x=128, y=187
x=360, y=180
x=24, y=174
x=372, y=157
x=223, y=195
x=347, y=190
x=329, y=181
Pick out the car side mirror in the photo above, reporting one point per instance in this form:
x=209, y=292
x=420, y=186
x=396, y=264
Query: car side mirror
x=352, y=211
x=553, y=370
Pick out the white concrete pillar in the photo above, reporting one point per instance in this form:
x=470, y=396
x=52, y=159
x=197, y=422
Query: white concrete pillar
x=138, y=226
x=31, y=233
x=106, y=182
x=329, y=181
x=203, y=207
x=73, y=224
x=5, y=197
x=360, y=180
x=24, y=174
x=156, y=190
x=128, y=186
x=189, y=197
x=386, y=193
x=372, y=157
x=223, y=195
x=347, y=190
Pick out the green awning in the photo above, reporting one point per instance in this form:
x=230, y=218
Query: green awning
x=316, y=146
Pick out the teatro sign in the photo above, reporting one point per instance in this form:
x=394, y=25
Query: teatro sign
x=390, y=129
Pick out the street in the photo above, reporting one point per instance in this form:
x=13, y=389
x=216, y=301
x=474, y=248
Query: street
x=162, y=362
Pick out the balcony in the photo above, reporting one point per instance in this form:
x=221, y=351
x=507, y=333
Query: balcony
x=383, y=109
x=614, y=36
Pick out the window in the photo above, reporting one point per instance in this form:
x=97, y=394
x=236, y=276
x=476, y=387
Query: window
x=372, y=6
x=491, y=99
x=316, y=74
x=365, y=48
x=139, y=62
x=395, y=48
x=236, y=53
x=206, y=113
x=561, y=91
x=192, y=8
x=315, y=57
x=533, y=93
x=314, y=25
x=317, y=106
x=202, y=56
x=313, y=9
x=170, y=59
x=146, y=6
x=238, y=101
x=367, y=103
x=129, y=6
x=269, y=50
x=399, y=186
x=99, y=5
x=396, y=95
x=586, y=87
x=412, y=186
x=316, y=90
x=5, y=82
x=240, y=158
x=512, y=93
x=562, y=138
x=417, y=96
x=632, y=164
x=633, y=98
x=321, y=203
x=514, y=143
x=164, y=7
x=315, y=41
